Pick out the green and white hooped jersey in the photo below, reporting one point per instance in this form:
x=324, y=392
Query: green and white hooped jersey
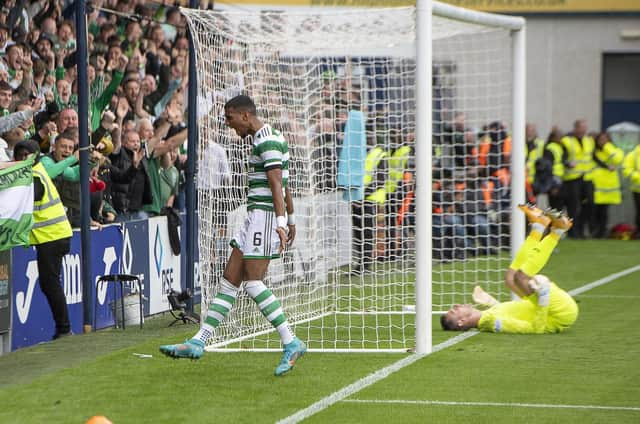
x=270, y=149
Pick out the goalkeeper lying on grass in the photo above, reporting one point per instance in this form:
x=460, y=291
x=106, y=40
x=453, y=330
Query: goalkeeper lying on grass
x=543, y=307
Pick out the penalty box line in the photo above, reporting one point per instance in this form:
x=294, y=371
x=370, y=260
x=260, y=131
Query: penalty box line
x=383, y=373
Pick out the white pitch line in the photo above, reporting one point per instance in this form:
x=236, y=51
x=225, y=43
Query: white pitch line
x=369, y=380
x=500, y=404
x=383, y=373
x=604, y=280
x=608, y=296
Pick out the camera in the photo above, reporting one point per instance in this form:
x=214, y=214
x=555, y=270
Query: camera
x=177, y=301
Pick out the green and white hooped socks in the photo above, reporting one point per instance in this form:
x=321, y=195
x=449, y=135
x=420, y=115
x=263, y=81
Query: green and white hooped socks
x=271, y=308
x=218, y=310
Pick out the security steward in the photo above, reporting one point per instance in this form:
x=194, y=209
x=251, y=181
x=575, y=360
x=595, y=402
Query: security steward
x=606, y=182
x=577, y=184
x=364, y=213
x=631, y=171
x=51, y=234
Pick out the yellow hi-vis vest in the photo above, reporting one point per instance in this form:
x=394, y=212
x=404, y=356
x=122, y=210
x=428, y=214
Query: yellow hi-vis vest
x=582, y=154
x=557, y=151
x=371, y=163
x=631, y=168
x=397, y=166
x=50, y=221
x=606, y=183
x=532, y=156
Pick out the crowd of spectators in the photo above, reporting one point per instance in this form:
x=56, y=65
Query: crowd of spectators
x=577, y=171
x=584, y=173
x=137, y=77
x=471, y=189
x=137, y=74
x=471, y=175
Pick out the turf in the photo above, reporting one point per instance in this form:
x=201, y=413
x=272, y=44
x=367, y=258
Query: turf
x=594, y=363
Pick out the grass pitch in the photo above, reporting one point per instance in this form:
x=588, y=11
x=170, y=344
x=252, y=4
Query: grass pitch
x=588, y=374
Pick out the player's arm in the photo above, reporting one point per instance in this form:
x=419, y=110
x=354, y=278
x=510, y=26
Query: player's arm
x=291, y=221
x=4, y=165
x=536, y=318
x=512, y=325
x=159, y=135
x=274, y=178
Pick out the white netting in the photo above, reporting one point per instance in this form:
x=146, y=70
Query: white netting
x=348, y=282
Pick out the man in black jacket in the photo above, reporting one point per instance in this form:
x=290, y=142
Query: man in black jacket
x=131, y=186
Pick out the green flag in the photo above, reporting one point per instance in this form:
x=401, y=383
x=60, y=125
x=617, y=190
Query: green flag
x=16, y=204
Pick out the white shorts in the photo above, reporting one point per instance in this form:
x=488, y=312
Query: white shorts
x=258, y=238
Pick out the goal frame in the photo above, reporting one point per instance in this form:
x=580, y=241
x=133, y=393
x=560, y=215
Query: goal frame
x=425, y=9
x=424, y=12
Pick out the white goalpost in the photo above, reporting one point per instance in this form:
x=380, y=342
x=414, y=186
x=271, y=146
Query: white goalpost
x=406, y=131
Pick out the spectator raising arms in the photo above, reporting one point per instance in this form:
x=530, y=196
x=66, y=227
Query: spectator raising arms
x=137, y=85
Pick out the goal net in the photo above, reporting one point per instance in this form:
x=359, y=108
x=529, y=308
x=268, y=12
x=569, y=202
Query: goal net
x=340, y=83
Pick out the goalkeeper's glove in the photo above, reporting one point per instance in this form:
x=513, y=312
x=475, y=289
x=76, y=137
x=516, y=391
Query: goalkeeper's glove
x=544, y=293
x=540, y=285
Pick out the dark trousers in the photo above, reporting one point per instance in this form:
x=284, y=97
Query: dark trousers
x=363, y=219
x=74, y=217
x=556, y=199
x=391, y=209
x=636, y=200
x=449, y=237
x=586, y=207
x=571, y=191
x=49, y=257
x=599, y=220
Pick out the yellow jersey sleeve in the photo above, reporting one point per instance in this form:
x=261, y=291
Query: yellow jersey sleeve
x=515, y=317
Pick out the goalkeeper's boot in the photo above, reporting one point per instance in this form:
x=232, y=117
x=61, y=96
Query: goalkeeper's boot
x=535, y=214
x=191, y=349
x=559, y=220
x=292, y=352
x=483, y=298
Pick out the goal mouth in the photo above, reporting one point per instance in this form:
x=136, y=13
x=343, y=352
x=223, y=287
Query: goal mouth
x=337, y=83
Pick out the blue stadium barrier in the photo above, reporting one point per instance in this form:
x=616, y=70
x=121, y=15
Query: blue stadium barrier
x=138, y=247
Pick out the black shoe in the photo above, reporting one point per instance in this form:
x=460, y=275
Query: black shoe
x=460, y=255
x=488, y=251
x=357, y=270
x=471, y=252
x=61, y=335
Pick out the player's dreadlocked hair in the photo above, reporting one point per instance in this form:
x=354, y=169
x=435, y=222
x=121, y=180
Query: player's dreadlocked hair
x=241, y=103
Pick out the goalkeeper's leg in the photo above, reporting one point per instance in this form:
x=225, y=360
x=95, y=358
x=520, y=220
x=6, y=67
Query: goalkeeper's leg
x=539, y=223
x=540, y=253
